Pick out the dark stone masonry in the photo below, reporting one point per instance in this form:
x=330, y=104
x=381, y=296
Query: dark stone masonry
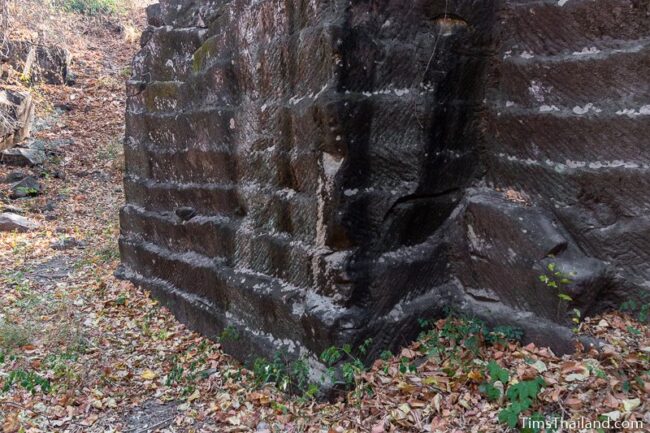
x=317, y=172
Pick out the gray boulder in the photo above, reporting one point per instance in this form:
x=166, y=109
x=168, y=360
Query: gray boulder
x=10, y=222
x=23, y=156
x=26, y=187
x=14, y=176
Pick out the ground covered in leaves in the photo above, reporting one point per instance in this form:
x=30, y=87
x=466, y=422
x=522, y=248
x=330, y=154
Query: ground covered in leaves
x=83, y=352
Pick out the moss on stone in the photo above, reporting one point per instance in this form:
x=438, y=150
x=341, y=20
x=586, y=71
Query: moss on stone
x=160, y=92
x=201, y=56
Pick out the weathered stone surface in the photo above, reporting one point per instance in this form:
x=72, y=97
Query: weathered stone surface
x=26, y=187
x=16, y=117
x=317, y=173
x=14, y=176
x=39, y=63
x=10, y=222
x=23, y=156
x=154, y=15
x=66, y=243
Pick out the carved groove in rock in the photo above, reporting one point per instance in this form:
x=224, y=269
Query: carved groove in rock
x=314, y=173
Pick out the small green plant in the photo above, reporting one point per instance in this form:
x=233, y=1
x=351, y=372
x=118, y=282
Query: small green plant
x=459, y=334
x=175, y=373
x=352, y=364
x=186, y=377
x=27, y=191
x=497, y=374
x=111, y=152
x=557, y=280
x=504, y=334
x=639, y=307
x=62, y=366
x=229, y=333
x=28, y=380
x=121, y=299
x=292, y=377
x=521, y=395
x=345, y=366
x=108, y=254
x=13, y=335
x=90, y=7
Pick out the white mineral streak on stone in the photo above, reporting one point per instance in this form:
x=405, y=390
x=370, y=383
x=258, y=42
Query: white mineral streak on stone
x=584, y=110
x=396, y=313
x=527, y=55
x=631, y=112
x=294, y=100
x=562, y=2
x=548, y=108
x=570, y=164
x=290, y=346
x=426, y=88
x=586, y=51
x=286, y=193
x=477, y=243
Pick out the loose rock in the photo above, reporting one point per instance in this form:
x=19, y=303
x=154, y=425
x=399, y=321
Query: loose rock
x=27, y=187
x=14, y=176
x=23, y=157
x=10, y=222
x=66, y=244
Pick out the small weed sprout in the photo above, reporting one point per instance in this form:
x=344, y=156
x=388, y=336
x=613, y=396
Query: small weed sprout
x=639, y=307
x=559, y=281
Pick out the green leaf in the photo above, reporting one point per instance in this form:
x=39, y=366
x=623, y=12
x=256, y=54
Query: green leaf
x=526, y=391
x=509, y=416
x=490, y=391
x=497, y=373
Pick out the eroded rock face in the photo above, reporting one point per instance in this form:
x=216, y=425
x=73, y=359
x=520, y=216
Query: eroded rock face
x=16, y=117
x=39, y=63
x=314, y=173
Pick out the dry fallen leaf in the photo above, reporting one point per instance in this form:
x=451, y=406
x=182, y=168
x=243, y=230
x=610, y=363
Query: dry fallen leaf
x=148, y=375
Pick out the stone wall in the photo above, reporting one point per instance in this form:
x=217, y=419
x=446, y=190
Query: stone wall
x=314, y=172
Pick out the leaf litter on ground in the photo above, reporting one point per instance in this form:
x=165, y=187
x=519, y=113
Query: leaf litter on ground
x=83, y=352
